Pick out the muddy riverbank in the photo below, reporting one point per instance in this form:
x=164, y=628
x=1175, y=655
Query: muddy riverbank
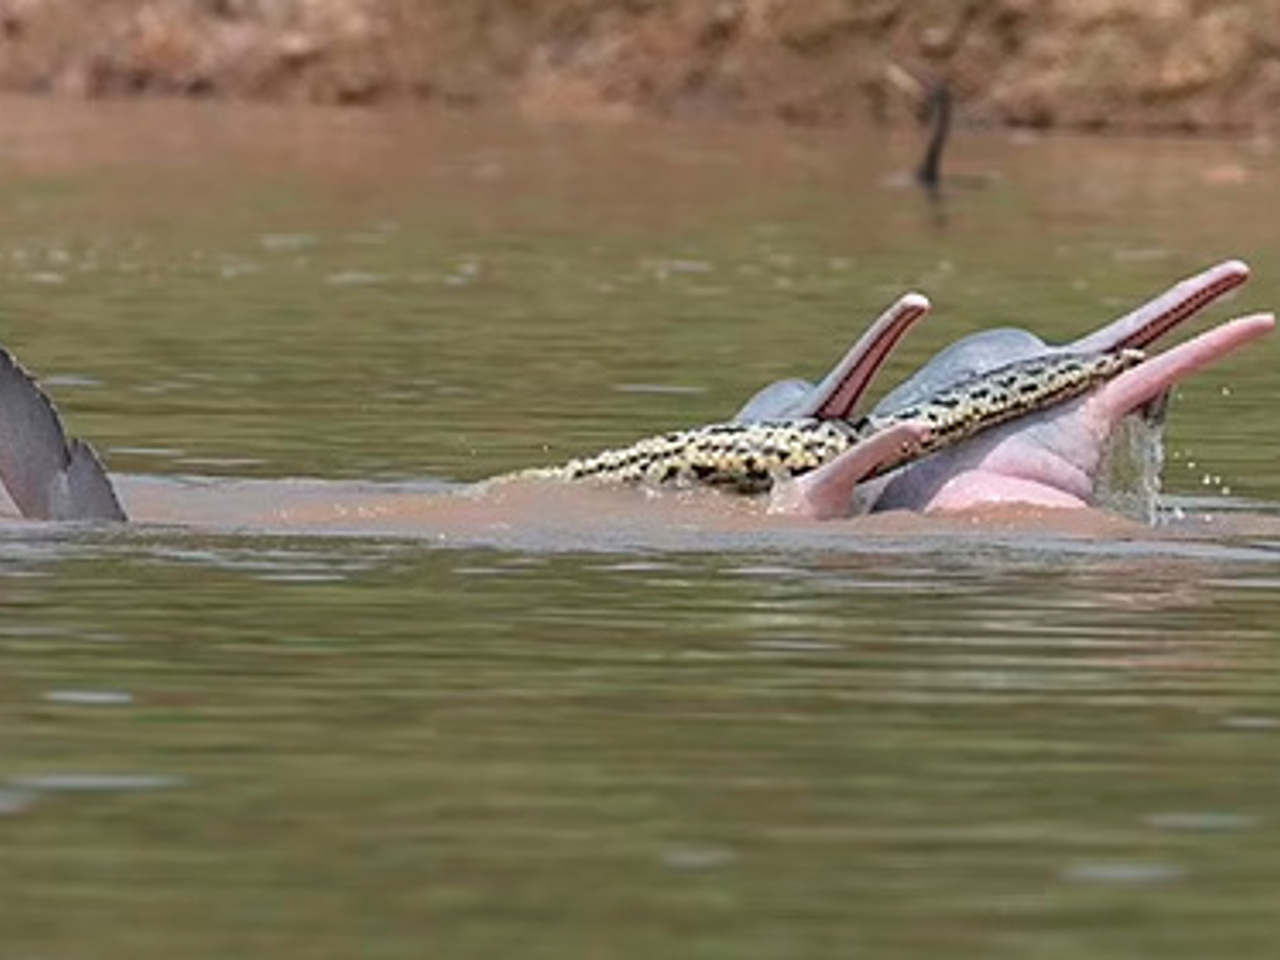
x=1164, y=65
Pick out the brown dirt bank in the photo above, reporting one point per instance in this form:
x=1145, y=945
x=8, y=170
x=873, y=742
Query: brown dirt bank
x=1209, y=65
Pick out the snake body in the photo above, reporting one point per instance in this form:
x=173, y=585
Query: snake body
x=749, y=457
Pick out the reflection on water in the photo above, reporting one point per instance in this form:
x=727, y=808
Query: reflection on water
x=595, y=724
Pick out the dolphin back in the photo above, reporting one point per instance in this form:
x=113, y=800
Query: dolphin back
x=968, y=357
x=48, y=476
x=777, y=401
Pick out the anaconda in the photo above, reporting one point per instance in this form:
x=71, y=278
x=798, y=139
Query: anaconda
x=750, y=457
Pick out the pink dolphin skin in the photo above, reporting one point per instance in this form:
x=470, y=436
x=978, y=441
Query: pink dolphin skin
x=984, y=351
x=829, y=491
x=1051, y=459
x=843, y=388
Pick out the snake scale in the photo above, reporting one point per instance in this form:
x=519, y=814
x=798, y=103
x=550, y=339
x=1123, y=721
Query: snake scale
x=749, y=457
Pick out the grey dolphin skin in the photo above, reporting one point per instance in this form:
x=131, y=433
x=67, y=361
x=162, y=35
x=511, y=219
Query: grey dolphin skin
x=47, y=475
x=1035, y=446
x=801, y=443
x=840, y=391
x=1136, y=330
x=837, y=396
x=1052, y=458
x=751, y=456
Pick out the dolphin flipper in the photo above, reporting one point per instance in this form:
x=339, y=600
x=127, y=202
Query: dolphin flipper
x=47, y=476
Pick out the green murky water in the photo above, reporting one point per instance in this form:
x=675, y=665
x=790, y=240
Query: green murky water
x=618, y=741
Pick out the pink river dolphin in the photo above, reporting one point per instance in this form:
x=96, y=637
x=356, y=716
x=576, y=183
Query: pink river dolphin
x=1049, y=459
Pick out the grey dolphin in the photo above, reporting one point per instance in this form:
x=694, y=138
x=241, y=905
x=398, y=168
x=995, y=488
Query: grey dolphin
x=1052, y=458
x=837, y=395
x=1061, y=457
x=1138, y=329
x=917, y=483
x=48, y=475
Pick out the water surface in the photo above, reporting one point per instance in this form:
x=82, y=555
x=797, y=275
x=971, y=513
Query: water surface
x=611, y=726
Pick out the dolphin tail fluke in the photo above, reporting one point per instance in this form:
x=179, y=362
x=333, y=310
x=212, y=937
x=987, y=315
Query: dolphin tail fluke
x=48, y=476
x=90, y=494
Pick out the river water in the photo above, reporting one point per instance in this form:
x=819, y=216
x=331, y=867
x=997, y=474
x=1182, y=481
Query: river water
x=330, y=718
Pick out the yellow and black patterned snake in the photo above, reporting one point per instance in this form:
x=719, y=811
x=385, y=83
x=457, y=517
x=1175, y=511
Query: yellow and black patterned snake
x=748, y=457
